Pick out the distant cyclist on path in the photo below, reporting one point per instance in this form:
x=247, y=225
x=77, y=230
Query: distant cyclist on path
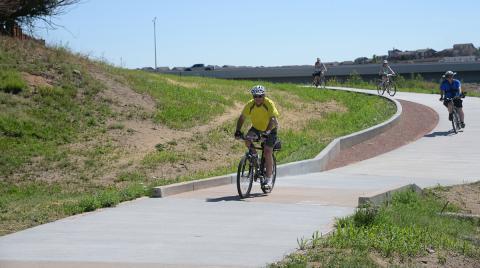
x=450, y=88
x=385, y=71
x=320, y=69
x=263, y=114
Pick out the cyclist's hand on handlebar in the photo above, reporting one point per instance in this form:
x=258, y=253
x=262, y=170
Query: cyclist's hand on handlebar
x=238, y=134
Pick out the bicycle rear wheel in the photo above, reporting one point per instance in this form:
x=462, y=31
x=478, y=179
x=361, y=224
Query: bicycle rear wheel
x=269, y=187
x=380, y=89
x=455, y=122
x=244, y=177
x=392, y=89
x=316, y=81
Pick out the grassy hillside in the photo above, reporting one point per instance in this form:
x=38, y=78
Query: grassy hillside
x=76, y=135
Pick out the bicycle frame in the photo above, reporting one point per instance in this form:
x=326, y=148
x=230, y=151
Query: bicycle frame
x=456, y=115
x=252, y=168
x=253, y=158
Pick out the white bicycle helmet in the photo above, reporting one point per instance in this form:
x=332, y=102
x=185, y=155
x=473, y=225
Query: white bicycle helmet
x=385, y=61
x=449, y=73
x=258, y=90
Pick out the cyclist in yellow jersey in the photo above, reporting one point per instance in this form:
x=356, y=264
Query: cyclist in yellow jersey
x=263, y=114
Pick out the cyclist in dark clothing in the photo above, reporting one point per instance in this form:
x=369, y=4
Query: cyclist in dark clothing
x=450, y=88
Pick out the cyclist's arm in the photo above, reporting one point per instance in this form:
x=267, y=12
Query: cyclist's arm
x=324, y=67
x=389, y=68
x=442, y=91
x=240, y=121
x=273, y=123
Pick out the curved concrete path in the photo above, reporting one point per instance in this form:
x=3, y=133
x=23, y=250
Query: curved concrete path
x=212, y=228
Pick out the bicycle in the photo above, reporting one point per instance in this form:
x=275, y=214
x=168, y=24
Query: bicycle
x=251, y=168
x=389, y=86
x=456, y=123
x=319, y=80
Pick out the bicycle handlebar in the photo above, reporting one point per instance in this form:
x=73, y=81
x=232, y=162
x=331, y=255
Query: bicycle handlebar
x=461, y=96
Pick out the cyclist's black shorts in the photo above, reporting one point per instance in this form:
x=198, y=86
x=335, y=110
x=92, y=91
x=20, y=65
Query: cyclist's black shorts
x=317, y=73
x=272, y=138
x=457, y=102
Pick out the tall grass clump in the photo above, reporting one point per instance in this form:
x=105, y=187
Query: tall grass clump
x=11, y=81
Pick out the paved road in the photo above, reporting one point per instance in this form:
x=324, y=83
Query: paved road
x=212, y=228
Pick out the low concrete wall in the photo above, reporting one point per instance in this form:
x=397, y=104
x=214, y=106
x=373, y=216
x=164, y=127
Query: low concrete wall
x=316, y=164
x=380, y=198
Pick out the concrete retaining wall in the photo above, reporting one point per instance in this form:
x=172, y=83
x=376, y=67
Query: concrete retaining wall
x=382, y=197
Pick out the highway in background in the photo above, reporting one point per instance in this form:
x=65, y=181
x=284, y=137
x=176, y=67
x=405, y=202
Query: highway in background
x=468, y=72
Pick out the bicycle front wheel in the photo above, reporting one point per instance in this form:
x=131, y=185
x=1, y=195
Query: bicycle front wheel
x=244, y=177
x=392, y=89
x=269, y=187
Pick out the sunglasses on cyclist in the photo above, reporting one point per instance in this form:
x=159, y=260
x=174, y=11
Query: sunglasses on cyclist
x=258, y=96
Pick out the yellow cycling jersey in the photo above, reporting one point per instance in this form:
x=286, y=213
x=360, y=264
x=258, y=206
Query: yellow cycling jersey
x=260, y=115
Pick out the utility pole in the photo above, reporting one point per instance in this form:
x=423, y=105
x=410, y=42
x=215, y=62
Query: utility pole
x=155, y=41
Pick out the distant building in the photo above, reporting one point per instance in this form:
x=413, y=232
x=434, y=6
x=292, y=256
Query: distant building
x=445, y=53
x=347, y=62
x=464, y=49
x=393, y=53
x=162, y=69
x=459, y=59
x=425, y=53
x=401, y=55
x=362, y=60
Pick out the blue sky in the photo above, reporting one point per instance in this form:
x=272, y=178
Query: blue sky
x=260, y=32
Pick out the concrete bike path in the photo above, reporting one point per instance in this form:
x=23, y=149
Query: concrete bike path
x=441, y=155
x=212, y=228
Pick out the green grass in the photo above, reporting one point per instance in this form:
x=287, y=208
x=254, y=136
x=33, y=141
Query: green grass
x=11, y=81
x=29, y=204
x=404, y=229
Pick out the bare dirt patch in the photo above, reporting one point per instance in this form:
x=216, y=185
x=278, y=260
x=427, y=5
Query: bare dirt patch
x=122, y=96
x=35, y=81
x=299, y=117
x=464, y=196
x=432, y=259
